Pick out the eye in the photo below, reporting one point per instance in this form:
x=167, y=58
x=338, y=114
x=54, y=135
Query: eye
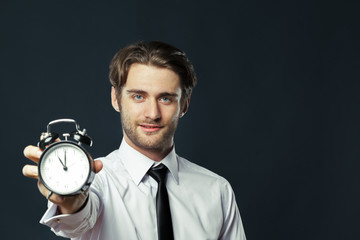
x=165, y=99
x=138, y=97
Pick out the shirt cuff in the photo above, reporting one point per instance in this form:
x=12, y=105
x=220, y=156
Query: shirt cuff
x=64, y=222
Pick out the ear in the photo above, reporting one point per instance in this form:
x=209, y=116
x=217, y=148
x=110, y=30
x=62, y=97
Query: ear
x=185, y=107
x=114, y=100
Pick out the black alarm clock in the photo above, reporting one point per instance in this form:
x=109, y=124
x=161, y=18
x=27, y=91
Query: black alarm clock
x=65, y=167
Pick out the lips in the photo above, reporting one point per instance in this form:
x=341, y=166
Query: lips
x=150, y=127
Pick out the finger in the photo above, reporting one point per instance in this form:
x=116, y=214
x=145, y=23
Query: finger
x=33, y=153
x=30, y=171
x=98, y=166
x=53, y=197
x=66, y=204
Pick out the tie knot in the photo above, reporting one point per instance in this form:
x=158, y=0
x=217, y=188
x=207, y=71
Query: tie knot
x=158, y=173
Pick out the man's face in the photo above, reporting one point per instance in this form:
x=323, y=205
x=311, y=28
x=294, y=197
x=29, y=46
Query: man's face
x=150, y=107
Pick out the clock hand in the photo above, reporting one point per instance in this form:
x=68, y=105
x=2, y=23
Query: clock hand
x=65, y=157
x=64, y=166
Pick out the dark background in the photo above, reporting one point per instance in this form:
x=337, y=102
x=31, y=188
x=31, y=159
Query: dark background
x=275, y=111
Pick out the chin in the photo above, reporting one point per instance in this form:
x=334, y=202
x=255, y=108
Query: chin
x=150, y=144
x=157, y=141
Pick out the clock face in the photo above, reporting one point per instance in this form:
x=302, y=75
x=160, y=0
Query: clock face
x=64, y=168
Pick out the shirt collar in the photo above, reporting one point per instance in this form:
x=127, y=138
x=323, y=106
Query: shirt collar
x=170, y=161
x=138, y=164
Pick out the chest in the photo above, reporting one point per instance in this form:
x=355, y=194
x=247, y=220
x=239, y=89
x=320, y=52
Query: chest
x=196, y=209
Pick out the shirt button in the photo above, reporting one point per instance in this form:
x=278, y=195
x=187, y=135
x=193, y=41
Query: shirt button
x=57, y=220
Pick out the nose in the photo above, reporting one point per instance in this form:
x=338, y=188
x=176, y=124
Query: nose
x=152, y=110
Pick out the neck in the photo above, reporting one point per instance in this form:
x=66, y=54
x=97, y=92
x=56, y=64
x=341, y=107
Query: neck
x=154, y=154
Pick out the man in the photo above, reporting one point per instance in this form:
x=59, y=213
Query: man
x=151, y=89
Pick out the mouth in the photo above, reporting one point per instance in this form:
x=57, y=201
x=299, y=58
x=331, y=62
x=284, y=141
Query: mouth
x=150, y=127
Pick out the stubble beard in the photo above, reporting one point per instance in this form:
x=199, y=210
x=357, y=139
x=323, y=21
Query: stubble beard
x=159, y=141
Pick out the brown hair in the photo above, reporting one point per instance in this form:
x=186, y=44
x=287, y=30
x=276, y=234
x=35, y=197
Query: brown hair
x=154, y=53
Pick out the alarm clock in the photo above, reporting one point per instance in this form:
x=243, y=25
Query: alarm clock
x=65, y=167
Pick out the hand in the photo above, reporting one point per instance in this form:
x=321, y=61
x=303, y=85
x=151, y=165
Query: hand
x=66, y=204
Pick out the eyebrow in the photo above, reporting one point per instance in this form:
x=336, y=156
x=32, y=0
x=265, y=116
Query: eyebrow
x=163, y=94
x=167, y=94
x=132, y=91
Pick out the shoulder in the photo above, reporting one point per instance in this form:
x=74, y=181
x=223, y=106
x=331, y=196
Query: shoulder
x=112, y=160
x=188, y=168
x=112, y=164
x=211, y=188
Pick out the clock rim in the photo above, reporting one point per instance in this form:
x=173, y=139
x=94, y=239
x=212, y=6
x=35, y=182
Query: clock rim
x=89, y=178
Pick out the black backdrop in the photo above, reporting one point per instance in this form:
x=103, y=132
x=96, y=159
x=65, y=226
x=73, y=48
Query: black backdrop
x=275, y=111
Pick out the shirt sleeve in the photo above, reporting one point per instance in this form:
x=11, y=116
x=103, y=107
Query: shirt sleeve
x=75, y=225
x=232, y=228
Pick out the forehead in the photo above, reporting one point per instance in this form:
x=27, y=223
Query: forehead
x=152, y=78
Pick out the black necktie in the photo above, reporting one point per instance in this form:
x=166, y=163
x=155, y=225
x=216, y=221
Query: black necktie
x=164, y=223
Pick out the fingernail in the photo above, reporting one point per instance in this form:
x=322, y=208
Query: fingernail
x=39, y=153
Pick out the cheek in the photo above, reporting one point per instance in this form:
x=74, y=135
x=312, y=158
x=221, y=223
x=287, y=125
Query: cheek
x=130, y=114
x=132, y=110
x=171, y=114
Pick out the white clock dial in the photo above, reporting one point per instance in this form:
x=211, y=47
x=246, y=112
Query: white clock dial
x=64, y=168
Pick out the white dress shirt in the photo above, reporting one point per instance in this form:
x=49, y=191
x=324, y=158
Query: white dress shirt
x=122, y=202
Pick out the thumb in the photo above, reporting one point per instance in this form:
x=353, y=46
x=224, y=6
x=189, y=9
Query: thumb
x=98, y=165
